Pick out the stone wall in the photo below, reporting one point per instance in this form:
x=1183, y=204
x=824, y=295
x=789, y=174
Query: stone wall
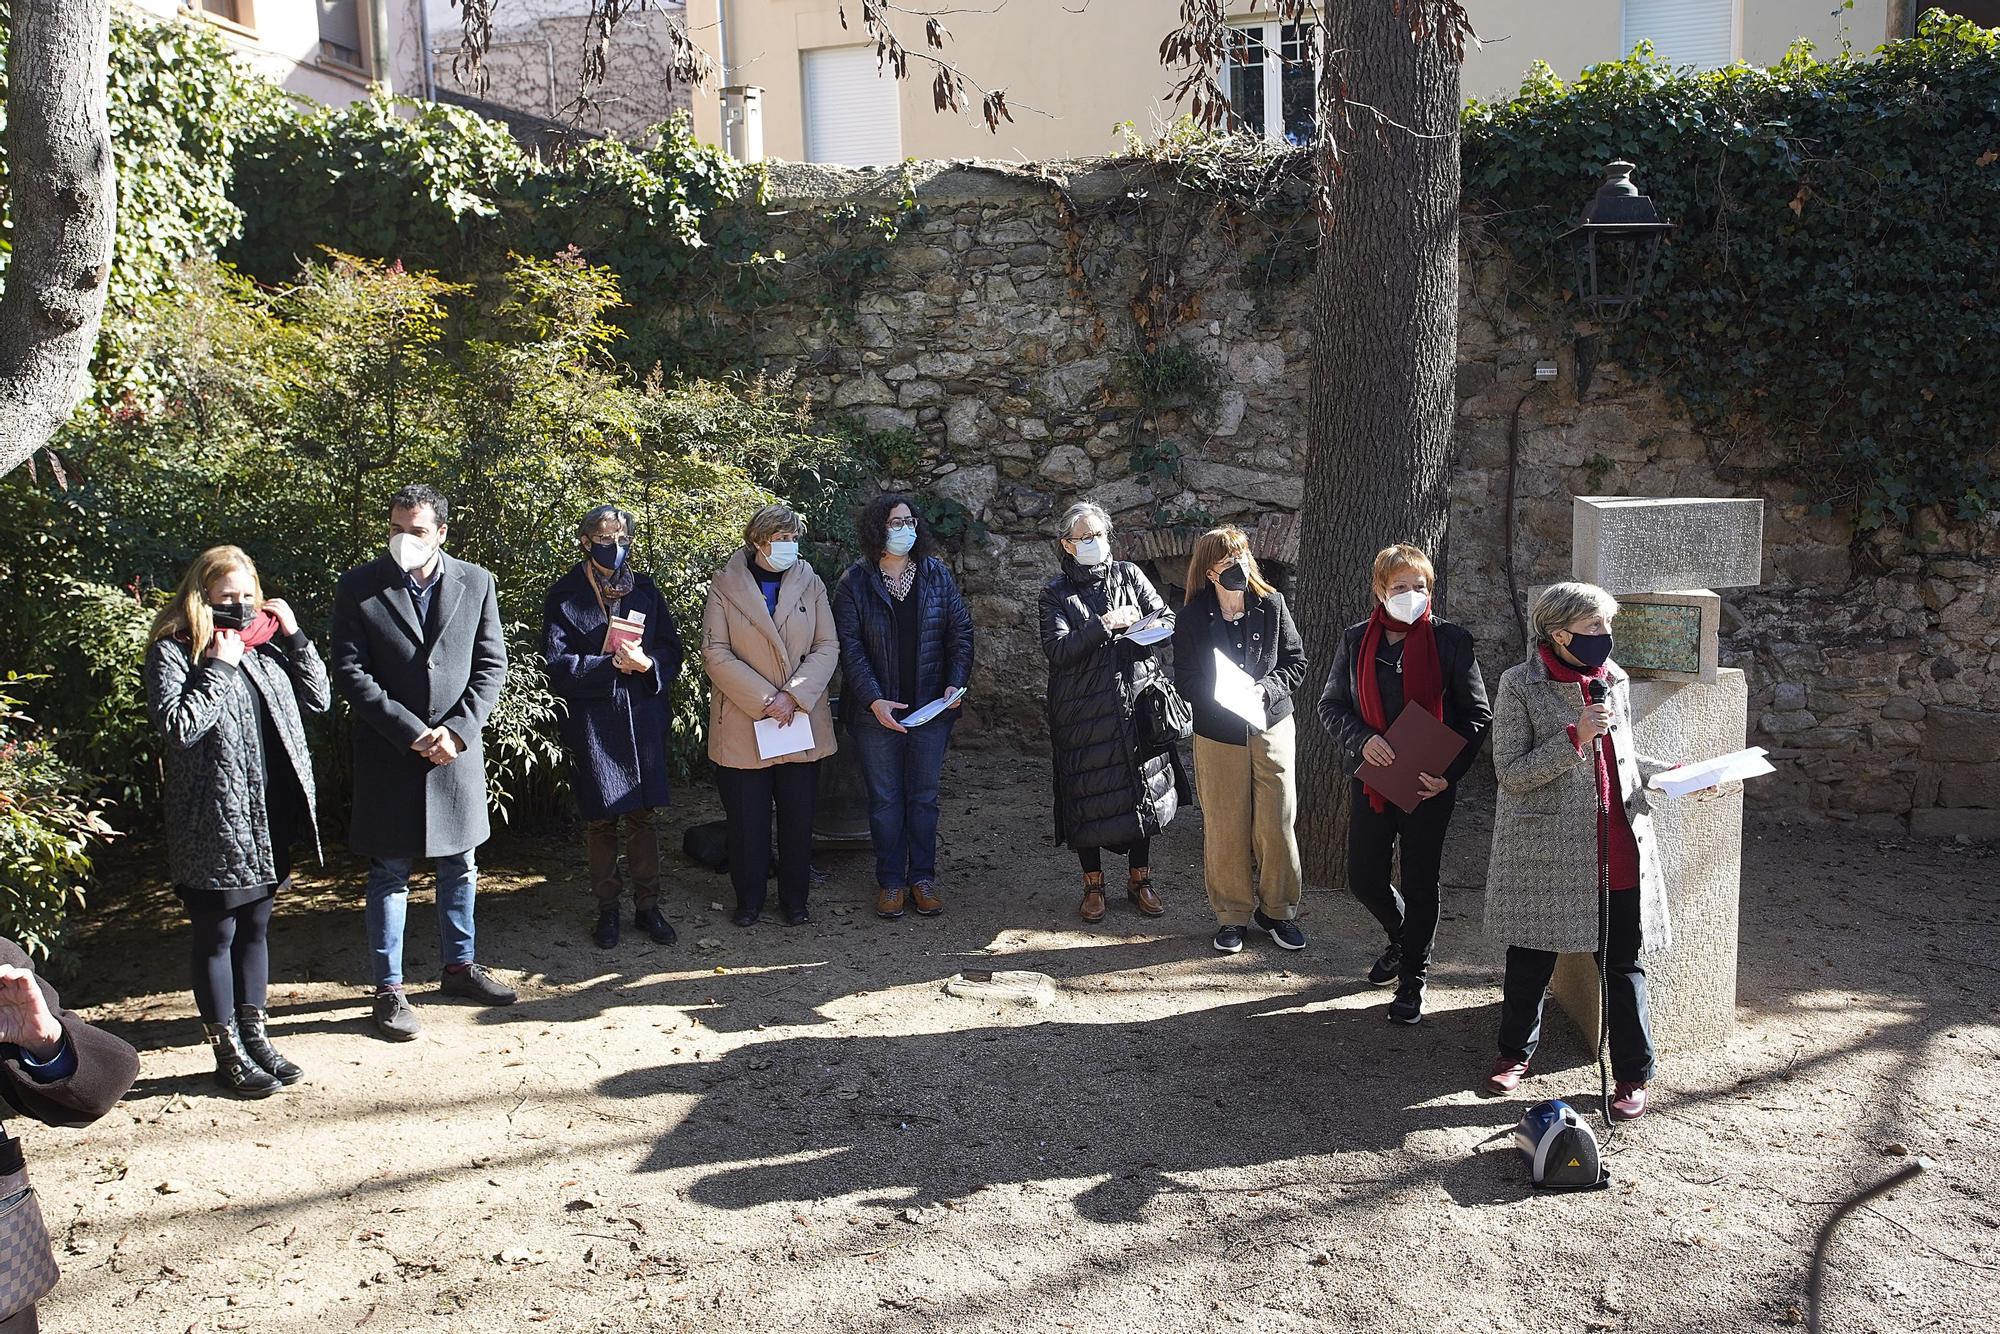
x=1002, y=333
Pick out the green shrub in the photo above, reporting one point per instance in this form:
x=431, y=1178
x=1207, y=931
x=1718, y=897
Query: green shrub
x=49, y=829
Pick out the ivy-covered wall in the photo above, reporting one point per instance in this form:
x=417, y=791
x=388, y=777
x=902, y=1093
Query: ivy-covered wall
x=1820, y=334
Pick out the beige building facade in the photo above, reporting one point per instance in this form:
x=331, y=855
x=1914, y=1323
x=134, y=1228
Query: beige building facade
x=328, y=50
x=1074, y=72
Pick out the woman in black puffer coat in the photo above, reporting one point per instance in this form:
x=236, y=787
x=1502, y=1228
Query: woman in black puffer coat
x=1108, y=794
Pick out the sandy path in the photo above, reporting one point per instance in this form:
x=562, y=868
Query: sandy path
x=796, y=1129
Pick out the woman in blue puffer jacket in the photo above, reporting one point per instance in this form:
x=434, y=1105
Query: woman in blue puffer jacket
x=905, y=641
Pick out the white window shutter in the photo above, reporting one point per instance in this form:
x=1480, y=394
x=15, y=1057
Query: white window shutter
x=853, y=116
x=1701, y=33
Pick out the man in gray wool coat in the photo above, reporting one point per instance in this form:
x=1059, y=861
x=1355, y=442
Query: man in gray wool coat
x=419, y=656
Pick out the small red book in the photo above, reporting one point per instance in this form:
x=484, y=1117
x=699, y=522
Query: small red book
x=625, y=630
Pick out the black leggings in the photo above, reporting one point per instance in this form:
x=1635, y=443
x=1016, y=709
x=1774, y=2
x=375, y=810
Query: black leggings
x=232, y=965
x=1139, y=856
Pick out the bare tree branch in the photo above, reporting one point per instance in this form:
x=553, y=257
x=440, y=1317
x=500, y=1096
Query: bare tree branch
x=63, y=201
x=687, y=63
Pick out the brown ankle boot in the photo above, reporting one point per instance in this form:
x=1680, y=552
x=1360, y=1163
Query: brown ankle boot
x=1140, y=891
x=1092, y=908
x=889, y=901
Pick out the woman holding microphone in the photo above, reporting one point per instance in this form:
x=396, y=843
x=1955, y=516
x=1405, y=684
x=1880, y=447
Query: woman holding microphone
x=1575, y=866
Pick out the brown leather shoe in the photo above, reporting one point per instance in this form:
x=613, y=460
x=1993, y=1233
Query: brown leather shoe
x=924, y=898
x=889, y=901
x=1140, y=891
x=1507, y=1076
x=1092, y=907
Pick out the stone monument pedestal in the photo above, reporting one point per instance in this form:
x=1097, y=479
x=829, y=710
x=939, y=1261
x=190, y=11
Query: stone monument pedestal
x=1692, y=987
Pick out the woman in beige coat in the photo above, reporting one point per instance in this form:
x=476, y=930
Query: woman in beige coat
x=769, y=647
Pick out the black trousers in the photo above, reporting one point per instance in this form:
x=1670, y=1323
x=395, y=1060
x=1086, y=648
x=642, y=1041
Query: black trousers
x=1527, y=983
x=1139, y=856
x=1408, y=917
x=748, y=799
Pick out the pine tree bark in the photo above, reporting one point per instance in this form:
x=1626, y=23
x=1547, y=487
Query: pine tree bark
x=1380, y=408
x=62, y=199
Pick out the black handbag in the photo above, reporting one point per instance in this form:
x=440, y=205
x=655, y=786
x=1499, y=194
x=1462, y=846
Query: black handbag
x=1163, y=719
x=27, y=1260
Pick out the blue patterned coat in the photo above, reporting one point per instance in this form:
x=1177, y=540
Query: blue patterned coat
x=615, y=727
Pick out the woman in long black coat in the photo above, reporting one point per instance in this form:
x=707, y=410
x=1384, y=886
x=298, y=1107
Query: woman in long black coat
x=1107, y=793
x=615, y=726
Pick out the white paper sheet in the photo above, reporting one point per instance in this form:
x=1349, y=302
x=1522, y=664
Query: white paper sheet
x=1151, y=634
x=918, y=717
x=1731, y=768
x=774, y=740
x=1236, y=692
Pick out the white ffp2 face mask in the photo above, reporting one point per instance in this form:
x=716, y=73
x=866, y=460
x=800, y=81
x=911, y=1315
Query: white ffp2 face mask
x=1092, y=551
x=410, y=552
x=782, y=556
x=1408, y=606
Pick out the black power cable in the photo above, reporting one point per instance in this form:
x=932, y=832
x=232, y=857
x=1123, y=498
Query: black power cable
x=1816, y=1277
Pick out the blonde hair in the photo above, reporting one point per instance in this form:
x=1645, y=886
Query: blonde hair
x=186, y=613
x=1221, y=544
x=1559, y=604
x=1402, y=556
x=770, y=520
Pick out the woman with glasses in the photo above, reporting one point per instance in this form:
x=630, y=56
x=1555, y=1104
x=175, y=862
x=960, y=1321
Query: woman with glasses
x=905, y=640
x=1110, y=792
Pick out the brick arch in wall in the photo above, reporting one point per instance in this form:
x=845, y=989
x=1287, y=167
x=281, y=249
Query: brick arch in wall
x=1163, y=552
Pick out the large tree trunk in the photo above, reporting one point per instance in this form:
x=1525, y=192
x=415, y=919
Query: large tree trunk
x=1385, y=342
x=63, y=200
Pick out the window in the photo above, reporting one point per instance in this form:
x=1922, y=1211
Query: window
x=1274, y=67
x=229, y=11
x=1701, y=33
x=853, y=116
x=340, y=32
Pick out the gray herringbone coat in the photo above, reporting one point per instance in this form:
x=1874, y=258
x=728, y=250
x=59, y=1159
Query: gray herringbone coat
x=1541, y=886
x=218, y=832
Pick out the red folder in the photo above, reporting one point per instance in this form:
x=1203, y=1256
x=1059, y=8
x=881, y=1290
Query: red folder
x=1423, y=745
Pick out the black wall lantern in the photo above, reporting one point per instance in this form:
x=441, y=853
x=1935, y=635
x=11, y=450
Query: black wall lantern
x=1617, y=245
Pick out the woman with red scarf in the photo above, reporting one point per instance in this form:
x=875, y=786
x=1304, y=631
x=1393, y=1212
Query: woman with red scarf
x=1402, y=654
x=1575, y=867
x=228, y=675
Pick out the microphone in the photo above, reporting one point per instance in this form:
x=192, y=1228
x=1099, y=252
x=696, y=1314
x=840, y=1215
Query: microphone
x=1595, y=690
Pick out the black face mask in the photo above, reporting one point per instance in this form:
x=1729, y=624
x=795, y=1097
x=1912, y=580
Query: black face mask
x=1235, y=578
x=231, y=615
x=1590, y=650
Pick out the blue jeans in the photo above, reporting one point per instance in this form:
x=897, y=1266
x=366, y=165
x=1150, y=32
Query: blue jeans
x=388, y=905
x=902, y=770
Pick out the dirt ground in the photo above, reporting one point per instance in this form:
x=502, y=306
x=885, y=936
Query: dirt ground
x=797, y=1129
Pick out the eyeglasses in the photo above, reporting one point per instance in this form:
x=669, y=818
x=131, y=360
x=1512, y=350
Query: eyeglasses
x=902, y=523
x=621, y=540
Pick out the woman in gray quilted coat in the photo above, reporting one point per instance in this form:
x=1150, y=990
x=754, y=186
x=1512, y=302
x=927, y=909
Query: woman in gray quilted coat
x=228, y=676
x=1573, y=825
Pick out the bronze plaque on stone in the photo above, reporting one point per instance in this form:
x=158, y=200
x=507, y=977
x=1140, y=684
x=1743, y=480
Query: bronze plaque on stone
x=1659, y=638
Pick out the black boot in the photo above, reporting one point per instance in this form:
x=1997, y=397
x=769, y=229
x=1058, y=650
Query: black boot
x=234, y=1070
x=250, y=1026
x=605, y=934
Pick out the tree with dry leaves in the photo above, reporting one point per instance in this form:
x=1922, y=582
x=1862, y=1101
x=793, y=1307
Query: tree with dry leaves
x=61, y=195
